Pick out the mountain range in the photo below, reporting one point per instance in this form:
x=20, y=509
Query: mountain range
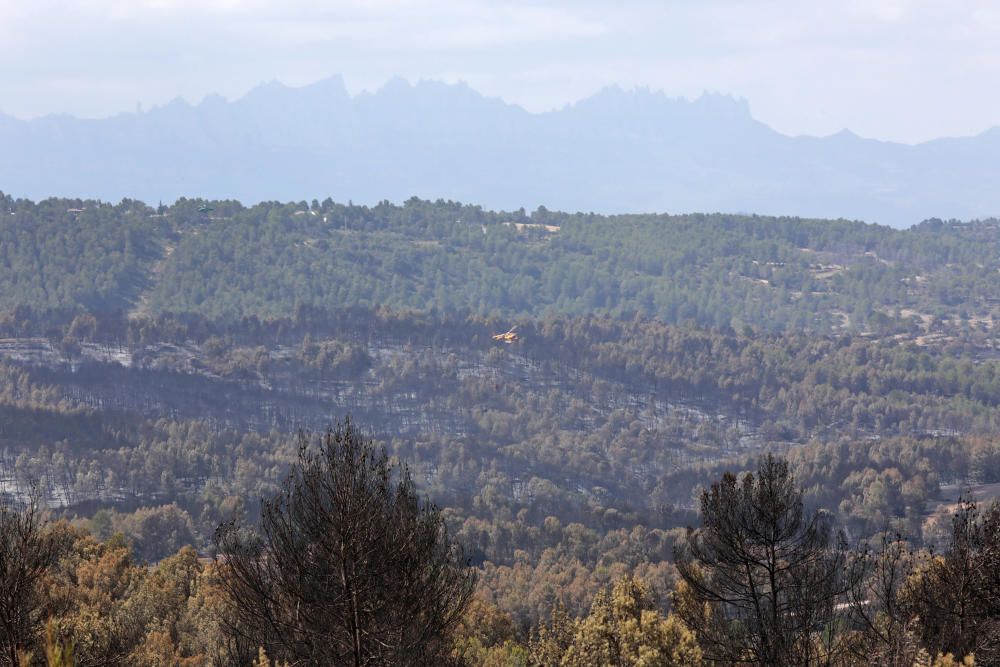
x=616, y=151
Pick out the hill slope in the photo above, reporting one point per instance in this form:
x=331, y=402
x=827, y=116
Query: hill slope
x=229, y=261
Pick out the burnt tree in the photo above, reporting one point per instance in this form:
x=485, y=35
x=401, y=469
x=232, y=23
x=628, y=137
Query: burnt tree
x=349, y=565
x=762, y=577
x=957, y=595
x=27, y=552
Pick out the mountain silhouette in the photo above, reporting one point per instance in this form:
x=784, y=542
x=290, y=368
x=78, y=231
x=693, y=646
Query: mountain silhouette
x=616, y=151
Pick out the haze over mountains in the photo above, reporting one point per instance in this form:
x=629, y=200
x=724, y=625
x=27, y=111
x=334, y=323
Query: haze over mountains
x=617, y=151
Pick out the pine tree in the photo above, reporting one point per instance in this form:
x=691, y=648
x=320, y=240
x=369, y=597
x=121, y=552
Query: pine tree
x=349, y=565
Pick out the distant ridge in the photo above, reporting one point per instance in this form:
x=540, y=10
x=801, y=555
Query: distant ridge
x=616, y=151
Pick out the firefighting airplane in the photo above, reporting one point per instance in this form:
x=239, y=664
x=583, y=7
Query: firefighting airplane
x=509, y=337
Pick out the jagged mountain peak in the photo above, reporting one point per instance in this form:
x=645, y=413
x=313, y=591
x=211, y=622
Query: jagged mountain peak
x=618, y=150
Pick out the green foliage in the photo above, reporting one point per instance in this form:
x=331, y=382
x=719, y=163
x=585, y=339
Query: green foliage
x=727, y=271
x=71, y=253
x=624, y=628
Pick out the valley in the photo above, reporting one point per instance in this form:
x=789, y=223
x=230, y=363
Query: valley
x=155, y=375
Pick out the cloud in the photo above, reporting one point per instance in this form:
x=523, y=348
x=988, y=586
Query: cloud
x=419, y=25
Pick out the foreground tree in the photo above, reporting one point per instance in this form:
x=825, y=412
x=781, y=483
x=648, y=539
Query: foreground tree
x=762, y=577
x=624, y=628
x=26, y=554
x=486, y=636
x=884, y=627
x=349, y=565
x=956, y=596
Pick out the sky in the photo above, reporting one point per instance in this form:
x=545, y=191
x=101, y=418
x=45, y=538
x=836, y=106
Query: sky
x=900, y=70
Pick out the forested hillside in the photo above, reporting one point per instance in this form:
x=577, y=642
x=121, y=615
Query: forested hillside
x=224, y=260
x=157, y=365
x=571, y=456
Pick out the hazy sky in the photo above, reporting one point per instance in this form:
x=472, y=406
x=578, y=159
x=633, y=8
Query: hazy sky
x=905, y=70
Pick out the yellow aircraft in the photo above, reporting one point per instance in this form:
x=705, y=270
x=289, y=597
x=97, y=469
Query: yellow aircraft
x=509, y=337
